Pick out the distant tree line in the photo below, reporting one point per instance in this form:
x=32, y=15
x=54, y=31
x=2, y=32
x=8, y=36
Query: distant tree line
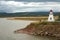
x=59, y=16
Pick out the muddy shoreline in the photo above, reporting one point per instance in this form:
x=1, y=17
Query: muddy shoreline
x=51, y=29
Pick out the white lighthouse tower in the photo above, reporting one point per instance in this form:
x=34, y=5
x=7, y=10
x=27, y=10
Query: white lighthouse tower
x=51, y=17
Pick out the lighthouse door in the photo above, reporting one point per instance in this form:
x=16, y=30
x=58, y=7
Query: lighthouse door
x=50, y=18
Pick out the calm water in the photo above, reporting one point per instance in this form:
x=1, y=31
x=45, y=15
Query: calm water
x=7, y=28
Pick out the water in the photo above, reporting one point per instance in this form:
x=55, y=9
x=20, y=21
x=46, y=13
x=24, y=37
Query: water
x=7, y=28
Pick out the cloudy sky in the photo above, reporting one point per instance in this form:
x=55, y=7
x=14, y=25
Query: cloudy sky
x=12, y=6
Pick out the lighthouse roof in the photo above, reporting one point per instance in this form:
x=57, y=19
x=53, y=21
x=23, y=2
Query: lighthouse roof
x=51, y=11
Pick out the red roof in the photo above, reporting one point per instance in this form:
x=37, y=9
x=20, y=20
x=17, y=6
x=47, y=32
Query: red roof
x=51, y=10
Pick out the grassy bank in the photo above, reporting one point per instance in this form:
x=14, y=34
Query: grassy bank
x=42, y=29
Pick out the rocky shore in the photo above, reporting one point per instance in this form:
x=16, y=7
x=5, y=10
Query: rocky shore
x=42, y=29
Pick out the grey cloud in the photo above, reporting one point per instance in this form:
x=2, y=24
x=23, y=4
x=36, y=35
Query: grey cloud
x=5, y=7
x=35, y=0
x=38, y=0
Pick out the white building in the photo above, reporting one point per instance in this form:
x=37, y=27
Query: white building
x=51, y=17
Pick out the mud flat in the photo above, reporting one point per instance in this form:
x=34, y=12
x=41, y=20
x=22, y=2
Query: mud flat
x=38, y=18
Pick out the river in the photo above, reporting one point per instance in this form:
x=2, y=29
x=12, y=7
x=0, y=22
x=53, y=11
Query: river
x=7, y=28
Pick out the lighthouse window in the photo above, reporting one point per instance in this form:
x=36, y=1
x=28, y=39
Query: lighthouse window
x=50, y=18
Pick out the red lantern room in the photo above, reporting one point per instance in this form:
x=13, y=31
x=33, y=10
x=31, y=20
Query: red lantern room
x=51, y=11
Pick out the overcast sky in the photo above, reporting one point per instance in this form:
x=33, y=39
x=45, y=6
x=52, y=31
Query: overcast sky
x=29, y=5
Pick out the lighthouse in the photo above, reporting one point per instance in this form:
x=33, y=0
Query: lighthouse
x=51, y=17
